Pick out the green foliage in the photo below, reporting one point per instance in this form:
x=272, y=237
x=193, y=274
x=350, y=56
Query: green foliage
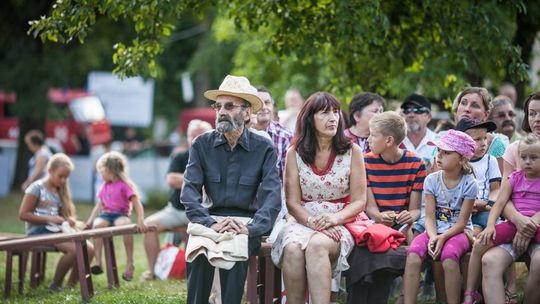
x=152, y=20
x=391, y=47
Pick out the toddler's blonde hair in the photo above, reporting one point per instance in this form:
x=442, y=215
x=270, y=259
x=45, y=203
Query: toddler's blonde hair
x=116, y=164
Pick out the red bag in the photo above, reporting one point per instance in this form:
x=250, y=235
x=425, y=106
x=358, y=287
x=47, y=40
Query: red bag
x=170, y=263
x=178, y=270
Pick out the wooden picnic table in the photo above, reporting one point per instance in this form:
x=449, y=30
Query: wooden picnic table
x=23, y=245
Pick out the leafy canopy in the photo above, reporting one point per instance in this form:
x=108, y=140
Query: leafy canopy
x=389, y=47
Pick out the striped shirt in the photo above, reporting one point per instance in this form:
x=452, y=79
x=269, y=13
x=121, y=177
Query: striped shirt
x=281, y=137
x=392, y=183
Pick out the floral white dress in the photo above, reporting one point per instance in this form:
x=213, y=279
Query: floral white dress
x=320, y=193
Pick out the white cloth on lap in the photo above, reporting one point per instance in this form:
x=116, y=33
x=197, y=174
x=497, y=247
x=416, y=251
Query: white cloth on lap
x=222, y=250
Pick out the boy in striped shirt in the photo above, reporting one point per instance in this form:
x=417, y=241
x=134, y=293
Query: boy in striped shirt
x=395, y=177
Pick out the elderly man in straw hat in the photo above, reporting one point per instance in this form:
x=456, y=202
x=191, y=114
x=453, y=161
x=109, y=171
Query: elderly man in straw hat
x=238, y=172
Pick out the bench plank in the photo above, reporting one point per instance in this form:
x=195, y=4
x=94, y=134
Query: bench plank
x=55, y=238
x=22, y=245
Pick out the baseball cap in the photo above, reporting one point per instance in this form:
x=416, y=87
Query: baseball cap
x=417, y=100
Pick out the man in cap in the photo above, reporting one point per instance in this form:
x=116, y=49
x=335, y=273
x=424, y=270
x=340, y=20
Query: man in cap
x=417, y=112
x=238, y=172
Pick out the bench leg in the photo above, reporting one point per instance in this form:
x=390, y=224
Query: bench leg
x=277, y=283
x=9, y=268
x=261, y=277
x=83, y=267
x=269, y=274
x=23, y=257
x=252, y=280
x=35, y=269
x=42, y=263
x=110, y=263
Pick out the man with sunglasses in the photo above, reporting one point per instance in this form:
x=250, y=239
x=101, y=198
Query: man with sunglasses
x=416, y=110
x=235, y=171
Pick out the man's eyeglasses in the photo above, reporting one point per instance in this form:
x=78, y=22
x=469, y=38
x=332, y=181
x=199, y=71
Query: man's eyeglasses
x=228, y=106
x=418, y=110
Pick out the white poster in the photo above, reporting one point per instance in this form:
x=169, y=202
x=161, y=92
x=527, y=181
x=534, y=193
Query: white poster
x=127, y=102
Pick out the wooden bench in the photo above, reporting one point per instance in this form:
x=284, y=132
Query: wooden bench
x=264, y=279
x=24, y=245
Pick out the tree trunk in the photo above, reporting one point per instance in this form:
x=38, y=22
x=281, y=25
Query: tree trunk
x=31, y=107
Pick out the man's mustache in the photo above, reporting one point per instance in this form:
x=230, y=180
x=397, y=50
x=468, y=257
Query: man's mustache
x=222, y=119
x=508, y=123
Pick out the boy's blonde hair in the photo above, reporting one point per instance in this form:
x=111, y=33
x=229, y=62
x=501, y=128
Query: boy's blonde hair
x=116, y=163
x=60, y=160
x=390, y=123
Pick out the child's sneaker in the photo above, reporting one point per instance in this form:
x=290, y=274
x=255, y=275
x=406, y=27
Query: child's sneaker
x=96, y=269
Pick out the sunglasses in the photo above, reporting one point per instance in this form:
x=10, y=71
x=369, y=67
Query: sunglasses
x=420, y=110
x=228, y=106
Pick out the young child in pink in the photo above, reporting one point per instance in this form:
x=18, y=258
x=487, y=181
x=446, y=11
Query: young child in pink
x=449, y=195
x=117, y=196
x=523, y=188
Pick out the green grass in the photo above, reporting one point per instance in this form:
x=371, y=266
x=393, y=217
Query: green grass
x=136, y=291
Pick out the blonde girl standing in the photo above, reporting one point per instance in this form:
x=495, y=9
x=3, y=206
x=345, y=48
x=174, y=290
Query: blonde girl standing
x=117, y=196
x=449, y=195
x=46, y=205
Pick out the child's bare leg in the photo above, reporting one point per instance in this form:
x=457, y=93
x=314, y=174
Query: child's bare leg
x=452, y=281
x=411, y=278
x=510, y=276
x=532, y=292
x=475, y=267
x=66, y=262
x=128, y=242
x=494, y=264
x=98, y=243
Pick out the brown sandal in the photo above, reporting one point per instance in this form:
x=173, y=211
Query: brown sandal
x=511, y=298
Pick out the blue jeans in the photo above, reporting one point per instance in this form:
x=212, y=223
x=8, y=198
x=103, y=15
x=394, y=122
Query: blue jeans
x=480, y=219
x=35, y=230
x=111, y=217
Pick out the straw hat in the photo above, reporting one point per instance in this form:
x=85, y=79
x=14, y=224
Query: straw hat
x=237, y=86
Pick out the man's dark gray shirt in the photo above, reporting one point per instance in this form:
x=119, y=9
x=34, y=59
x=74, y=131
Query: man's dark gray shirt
x=239, y=182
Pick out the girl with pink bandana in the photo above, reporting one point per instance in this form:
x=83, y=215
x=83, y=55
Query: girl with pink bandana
x=449, y=195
